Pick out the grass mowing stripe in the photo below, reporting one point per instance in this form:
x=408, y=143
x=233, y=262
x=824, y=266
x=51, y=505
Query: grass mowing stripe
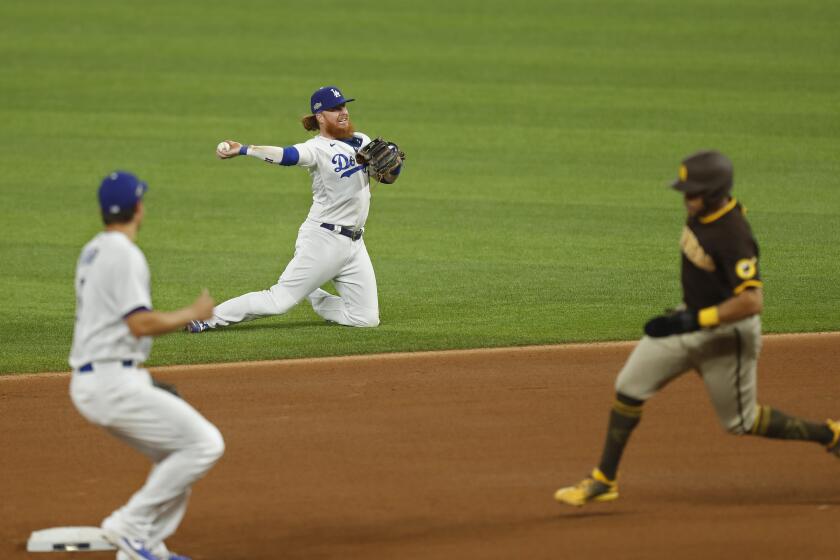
x=533, y=208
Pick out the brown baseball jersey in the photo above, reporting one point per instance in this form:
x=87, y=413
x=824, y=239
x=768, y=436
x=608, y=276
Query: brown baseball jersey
x=719, y=257
x=719, y=260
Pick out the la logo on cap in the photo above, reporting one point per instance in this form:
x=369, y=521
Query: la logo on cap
x=336, y=92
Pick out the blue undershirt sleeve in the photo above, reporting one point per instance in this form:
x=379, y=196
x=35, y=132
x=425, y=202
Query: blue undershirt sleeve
x=291, y=156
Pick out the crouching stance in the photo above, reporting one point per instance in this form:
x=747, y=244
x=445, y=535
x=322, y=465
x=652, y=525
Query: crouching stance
x=717, y=332
x=330, y=244
x=111, y=339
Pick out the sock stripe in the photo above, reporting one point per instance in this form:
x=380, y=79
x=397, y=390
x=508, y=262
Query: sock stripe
x=762, y=420
x=759, y=415
x=765, y=419
x=627, y=409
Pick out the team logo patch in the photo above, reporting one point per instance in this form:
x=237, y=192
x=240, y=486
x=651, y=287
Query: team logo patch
x=745, y=268
x=683, y=173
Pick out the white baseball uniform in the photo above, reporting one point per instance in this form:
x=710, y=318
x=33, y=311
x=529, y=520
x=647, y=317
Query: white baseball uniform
x=110, y=390
x=329, y=244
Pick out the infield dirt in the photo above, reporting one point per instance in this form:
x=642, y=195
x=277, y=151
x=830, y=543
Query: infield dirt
x=445, y=455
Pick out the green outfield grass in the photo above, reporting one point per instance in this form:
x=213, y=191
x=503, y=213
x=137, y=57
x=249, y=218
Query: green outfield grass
x=540, y=137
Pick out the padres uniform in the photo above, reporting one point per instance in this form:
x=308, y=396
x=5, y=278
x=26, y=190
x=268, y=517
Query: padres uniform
x=110, y=389
x=716, y=332
x=719, y=260
x=329, y=244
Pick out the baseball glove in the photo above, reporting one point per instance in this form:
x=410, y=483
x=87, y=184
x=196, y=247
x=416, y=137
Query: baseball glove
x=678, y=322
x=382, y=156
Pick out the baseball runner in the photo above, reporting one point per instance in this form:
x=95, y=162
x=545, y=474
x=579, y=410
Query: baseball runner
x=329, y=245
x=717, y=332
x=111, y=339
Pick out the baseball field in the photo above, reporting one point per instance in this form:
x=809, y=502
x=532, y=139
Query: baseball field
x=533, y=212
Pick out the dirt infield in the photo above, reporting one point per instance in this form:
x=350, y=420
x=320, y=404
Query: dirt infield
x=445, y=455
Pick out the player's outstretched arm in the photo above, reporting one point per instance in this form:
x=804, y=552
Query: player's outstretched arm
x=228, y=149
x=153, y=323
x=269, y=154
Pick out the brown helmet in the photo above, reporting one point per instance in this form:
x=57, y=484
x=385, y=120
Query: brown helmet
x=707, y=174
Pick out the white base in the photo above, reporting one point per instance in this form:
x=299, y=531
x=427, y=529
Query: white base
x=65, y=539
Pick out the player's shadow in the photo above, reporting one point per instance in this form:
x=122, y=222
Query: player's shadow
x=577, y=514
x=753, y=496
x=272, y=326
x=420, y=530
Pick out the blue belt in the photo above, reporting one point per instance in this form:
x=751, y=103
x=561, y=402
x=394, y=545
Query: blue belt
x=89, y=366
x=345, y=231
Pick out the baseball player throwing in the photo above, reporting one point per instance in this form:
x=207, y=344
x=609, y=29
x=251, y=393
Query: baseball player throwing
x=329, y=245
x=717, y=332
x=111, y=339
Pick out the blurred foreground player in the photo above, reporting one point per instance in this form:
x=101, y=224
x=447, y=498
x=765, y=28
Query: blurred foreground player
x=717, y=332
x=111, y=340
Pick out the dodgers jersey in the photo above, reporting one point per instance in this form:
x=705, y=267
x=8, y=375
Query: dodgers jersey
x=340, y=186
x=112, y=282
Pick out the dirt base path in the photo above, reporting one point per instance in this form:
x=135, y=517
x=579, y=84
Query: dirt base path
x=445, y=455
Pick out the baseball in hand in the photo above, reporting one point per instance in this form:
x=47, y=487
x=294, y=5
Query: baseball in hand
x=223, y=147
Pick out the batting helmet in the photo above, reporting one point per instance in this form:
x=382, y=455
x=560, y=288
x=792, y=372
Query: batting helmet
x=707, y=174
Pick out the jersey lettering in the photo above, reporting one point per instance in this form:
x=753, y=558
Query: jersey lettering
x=89, y=255
x=342, y=162
x=346, y=163
x=350, y=172
x=340, y=184
x=694, y=252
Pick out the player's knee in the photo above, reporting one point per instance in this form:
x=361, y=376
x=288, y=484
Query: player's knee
x=365, y=318
x=282, y=300
x=628, y=389
x=213, y=445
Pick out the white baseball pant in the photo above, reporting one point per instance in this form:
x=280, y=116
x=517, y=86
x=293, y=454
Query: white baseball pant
x=181, y=443
x=321, y=255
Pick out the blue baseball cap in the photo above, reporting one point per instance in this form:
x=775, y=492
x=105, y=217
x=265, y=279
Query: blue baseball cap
x=120, y=191
x=327, y=97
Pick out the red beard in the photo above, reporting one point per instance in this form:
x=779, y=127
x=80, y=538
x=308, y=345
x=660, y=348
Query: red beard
x=340, y=131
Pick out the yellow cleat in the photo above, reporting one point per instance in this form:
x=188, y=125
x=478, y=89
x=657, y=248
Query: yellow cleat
x=834, y=446
x=594, y=488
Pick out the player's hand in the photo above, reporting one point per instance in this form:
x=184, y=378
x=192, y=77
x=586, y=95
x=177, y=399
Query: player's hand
x=232, y=149
x=203, y=306
x=674, y=323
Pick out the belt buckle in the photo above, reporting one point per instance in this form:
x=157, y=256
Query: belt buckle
x=357, y=235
